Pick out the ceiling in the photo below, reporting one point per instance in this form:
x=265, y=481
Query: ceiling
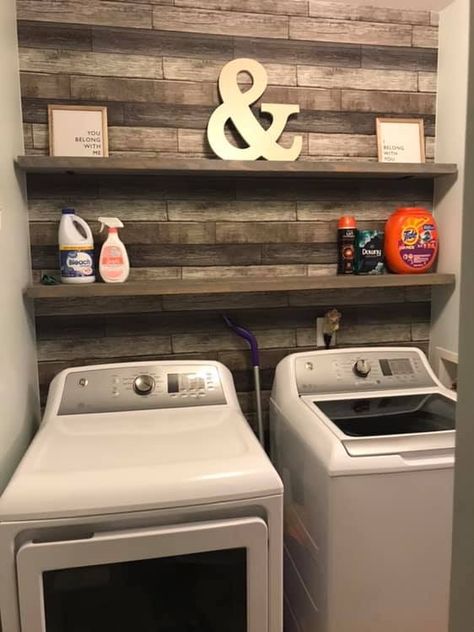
x=435, y=5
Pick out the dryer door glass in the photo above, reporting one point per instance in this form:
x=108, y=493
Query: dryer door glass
x=390, y=415
x=183, y=593
x=201, y=577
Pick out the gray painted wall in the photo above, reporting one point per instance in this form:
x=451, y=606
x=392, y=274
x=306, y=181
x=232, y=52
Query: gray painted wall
x=451, y=121
x=18, y=379
x=462, y=586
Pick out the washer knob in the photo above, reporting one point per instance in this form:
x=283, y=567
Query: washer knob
x=362, y=368
x=143, y=384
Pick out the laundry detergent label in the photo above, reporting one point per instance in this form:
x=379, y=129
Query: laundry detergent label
x=76, y=262
x=418, y=243
x=112, y=262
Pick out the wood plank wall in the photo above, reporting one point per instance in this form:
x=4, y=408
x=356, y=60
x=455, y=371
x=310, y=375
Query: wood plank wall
x=154, y=63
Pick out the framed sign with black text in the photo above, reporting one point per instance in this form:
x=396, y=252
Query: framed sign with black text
x=400, y=140
x=78, y=130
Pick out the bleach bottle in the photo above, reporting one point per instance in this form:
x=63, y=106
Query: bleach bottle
x=76, y=249
x=114, y=266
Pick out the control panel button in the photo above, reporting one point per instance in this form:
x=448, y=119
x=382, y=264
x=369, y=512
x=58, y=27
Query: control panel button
x=143, y=384
x=362, y=368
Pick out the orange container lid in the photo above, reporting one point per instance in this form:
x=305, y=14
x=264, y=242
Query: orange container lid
x=411, y=209
x=346, y=221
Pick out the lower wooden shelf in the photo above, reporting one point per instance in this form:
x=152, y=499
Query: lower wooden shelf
x=236, y=285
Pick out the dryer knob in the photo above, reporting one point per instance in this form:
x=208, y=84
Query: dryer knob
x=143, y=384
x=362, y=368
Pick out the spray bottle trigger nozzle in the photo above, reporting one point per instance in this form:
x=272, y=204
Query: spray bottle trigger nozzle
x=110, y=222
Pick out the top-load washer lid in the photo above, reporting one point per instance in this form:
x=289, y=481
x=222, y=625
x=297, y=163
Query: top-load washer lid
x=391, y=414
x=92, y=463
x=390, y=423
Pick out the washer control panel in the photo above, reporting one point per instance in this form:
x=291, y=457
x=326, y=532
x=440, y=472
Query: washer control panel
x=154, y=386
x=369, y=370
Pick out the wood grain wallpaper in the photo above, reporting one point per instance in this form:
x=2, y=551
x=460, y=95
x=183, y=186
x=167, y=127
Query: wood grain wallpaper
x=155, y=64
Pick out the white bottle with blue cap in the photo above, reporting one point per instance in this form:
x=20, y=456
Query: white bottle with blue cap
x=76, y=249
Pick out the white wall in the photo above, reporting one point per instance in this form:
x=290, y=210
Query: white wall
x=451, y=121
x=18, y=376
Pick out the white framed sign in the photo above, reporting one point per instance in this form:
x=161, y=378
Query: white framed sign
x=400, y=140
x=78, y=130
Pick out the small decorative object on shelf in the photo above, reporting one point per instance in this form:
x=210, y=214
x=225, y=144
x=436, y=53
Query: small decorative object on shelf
x=78, y=130
x=400, y=140
x=49, y=279
x=235, y=107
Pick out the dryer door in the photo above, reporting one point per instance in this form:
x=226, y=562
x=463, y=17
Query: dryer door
x=210, y=576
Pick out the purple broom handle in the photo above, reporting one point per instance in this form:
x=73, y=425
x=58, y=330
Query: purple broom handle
x=246, y=335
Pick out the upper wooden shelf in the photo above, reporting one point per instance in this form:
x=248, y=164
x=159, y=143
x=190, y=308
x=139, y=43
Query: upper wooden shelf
x=126, y=165
x=223, y=286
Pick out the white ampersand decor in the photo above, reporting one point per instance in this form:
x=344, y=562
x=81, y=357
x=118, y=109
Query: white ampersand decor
x=235, y=106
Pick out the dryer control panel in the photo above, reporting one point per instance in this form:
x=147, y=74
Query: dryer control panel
x=154, y=386
x=366, y=370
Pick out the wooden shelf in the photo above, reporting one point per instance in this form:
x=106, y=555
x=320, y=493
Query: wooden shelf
x=223, y=286
x=120, y=165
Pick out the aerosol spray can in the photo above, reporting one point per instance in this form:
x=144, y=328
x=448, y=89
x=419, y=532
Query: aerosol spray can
x=346, y=241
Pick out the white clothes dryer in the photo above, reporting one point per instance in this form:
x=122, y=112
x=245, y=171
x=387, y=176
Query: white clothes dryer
x=364, y=441
x=144, y=503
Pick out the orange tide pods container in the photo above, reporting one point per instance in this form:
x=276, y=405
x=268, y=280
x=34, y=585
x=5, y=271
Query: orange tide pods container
x=411, y=241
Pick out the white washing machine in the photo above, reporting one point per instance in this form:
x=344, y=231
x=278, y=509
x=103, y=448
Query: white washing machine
x=144, y=503
x=364, y=442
